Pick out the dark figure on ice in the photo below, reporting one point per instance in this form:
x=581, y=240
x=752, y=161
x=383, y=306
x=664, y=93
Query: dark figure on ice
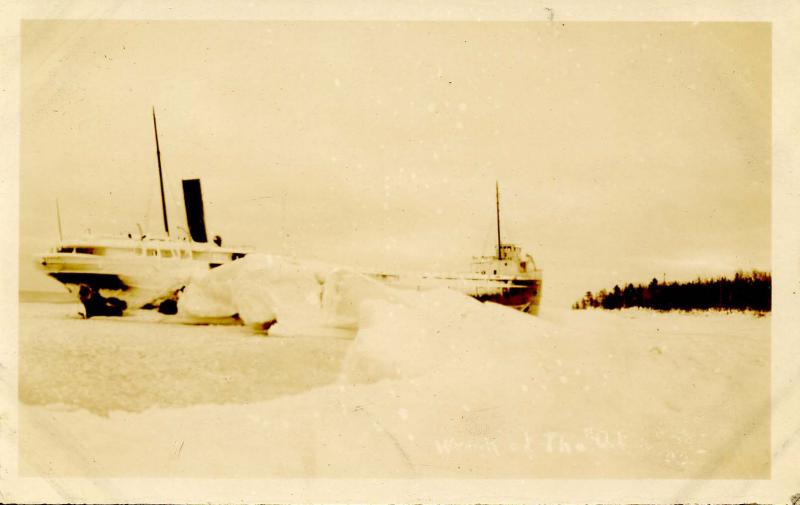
x=97, y=305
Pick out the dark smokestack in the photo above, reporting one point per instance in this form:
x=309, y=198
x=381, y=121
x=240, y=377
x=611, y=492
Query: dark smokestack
x=195, y=216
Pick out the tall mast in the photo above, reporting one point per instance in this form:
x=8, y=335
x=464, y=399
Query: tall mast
x=58, y=218
x=160, y=176
x=497, y=201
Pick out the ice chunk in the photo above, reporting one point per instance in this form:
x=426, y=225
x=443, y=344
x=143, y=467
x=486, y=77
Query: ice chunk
x=344, y=292
x=259, y=288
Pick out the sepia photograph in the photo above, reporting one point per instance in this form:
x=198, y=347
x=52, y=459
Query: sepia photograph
x=395, y=249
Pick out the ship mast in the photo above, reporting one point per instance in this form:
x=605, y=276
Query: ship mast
x=58, y=218
x=160, y=176
x=497, y=201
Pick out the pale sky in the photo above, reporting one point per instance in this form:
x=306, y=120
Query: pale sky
x=623, y=151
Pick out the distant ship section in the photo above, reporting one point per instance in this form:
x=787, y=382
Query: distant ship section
x=510, y=277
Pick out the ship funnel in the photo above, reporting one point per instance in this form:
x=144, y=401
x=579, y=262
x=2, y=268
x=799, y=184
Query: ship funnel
x=195, y=215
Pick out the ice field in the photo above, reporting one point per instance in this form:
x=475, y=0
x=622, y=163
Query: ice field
x=581, y=395
x=390, y=383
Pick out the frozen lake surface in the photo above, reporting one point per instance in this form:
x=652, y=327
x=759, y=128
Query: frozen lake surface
x=446, y=387
x=133, y=364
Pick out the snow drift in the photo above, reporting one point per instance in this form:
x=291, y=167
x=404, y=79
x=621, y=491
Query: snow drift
x=398, y=332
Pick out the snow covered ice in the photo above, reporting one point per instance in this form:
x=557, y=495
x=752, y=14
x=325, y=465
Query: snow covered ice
x=359, y=379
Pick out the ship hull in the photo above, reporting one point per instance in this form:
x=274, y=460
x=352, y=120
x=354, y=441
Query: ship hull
x=523, y=295
x=135, y=281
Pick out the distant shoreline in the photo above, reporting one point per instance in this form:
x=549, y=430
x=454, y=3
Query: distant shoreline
x=689, y=312
x=746, y=291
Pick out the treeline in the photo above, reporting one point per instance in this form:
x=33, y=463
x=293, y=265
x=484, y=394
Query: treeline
x=746, y=291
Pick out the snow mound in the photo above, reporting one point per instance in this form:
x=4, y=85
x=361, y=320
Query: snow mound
x=345, y=291
x=264, y=289
x=399, y=333
x=260, y=288
x=434, y=331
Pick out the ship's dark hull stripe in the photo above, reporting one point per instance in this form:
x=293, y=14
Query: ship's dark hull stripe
x=522, y=297
x=97, y=281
